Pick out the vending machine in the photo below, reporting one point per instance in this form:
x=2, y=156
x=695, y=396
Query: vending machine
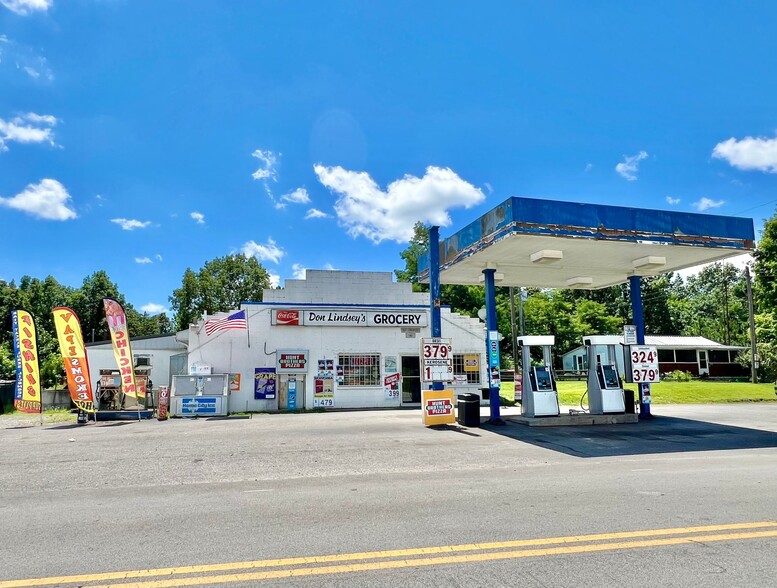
x=605, y=390
x=200, y=395
x=540, y=394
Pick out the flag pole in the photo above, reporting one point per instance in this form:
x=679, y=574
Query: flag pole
x=248, y=330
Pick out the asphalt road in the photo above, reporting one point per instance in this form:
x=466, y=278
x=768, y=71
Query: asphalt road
x=375, y=499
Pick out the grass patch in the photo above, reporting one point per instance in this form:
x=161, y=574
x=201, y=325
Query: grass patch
x=693, y=392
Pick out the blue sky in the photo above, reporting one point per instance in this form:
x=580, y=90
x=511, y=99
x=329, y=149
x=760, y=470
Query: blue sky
x=144, y=137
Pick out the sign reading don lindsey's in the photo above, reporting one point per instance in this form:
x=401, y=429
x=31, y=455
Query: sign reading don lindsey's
x=315, y=317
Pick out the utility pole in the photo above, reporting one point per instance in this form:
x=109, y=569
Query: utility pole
x=513, y=332
x=753, y=349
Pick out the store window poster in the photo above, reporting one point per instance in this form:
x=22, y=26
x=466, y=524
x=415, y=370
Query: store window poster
x=264, y=383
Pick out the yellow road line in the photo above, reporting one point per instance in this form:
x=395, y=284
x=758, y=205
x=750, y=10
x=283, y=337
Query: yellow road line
x=345, y=557
x=434, y=561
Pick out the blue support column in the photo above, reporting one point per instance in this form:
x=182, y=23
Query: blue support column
x=492, y=348
x=434, y=289
x=635, y=292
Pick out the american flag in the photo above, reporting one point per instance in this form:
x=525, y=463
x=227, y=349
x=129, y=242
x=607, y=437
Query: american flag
x=236, y=320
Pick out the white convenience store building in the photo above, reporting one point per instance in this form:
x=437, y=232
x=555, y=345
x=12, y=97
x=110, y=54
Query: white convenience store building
x=340, y=339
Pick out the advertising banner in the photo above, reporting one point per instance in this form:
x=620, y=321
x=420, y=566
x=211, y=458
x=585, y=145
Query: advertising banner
x=71, y=346
x=27, y=393
x=117, y=324
x=296, y=317
x=264, y=383
x=292, y=361
x=324, y=392
x=437, y=407
x=164, y=403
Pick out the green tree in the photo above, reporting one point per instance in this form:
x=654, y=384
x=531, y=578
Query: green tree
x=220, y=285
x=419, y=244
x=765, y=267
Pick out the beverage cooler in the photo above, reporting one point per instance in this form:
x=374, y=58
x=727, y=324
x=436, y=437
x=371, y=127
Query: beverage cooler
x=200, y=395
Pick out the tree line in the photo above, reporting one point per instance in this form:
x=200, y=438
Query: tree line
x=712, y=304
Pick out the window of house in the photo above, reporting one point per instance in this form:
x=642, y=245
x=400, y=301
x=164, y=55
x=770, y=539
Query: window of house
x=142, y=360
x=719, y=356
x=362, y=369
x=685, y=355
x=458, y=369
x=666, y=355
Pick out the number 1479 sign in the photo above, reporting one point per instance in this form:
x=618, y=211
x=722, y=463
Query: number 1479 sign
x=644, y=364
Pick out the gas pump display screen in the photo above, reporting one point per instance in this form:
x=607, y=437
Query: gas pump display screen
x=542, y=376
x=610, y=377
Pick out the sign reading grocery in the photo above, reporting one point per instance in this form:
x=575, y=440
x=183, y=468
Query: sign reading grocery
x=347, y=318
x=292, y=361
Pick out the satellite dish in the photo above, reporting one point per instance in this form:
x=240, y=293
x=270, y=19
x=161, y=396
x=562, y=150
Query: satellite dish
x=482, y=314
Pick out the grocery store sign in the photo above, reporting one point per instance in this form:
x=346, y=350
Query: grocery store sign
x=322, y=317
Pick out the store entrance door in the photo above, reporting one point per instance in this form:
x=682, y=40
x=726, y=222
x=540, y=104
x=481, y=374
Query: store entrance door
x=291, y=392
x=411, y=380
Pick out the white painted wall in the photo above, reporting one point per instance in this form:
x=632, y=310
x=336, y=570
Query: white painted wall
x=229, y=351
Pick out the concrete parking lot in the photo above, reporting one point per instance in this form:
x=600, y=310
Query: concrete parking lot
x=123, y=496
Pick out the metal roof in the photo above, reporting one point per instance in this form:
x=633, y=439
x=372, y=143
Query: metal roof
x=678, y=342
x=551, y=244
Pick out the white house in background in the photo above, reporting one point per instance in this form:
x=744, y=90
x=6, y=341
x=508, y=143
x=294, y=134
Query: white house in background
x=697, y=355
x=158, y=356
x=342, y=339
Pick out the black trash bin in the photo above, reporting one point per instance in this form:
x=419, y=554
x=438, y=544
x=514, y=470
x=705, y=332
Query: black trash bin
x=628, y=400
x=468, y=410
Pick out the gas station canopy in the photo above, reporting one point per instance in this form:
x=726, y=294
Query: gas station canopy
x=550, y=244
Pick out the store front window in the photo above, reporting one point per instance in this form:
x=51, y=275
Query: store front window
x=473, y=377
x=360, y=369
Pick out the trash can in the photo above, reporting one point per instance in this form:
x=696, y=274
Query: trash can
x=628, y=401
x=468, y=410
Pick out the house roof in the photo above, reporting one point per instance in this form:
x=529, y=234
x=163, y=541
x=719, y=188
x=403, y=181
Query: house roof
x=678, y=342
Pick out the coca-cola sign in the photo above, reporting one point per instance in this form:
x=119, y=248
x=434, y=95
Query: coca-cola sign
x=286, y=317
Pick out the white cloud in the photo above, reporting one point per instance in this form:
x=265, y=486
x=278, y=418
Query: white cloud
x=25, y=7
x=329, y=267
x=267, y=170
x=267, y=252
x=707, y=203
x=27, y=128
x=143, y=260
x=152, y=308
x=315, y=213
x=130, y=224
x=672, y=201
x=158, y=257
x=367, y=210
x=629, y=167
x=47, y=200
x=590, y=166
x=751, y=153
x=489, y=188
x=275, y=280
x=198, y=217
x=298, y=196
x=298, y=271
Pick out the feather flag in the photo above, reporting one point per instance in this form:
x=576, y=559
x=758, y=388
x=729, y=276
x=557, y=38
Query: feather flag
x=117, y=324
x=27, y=394
x=71, y=346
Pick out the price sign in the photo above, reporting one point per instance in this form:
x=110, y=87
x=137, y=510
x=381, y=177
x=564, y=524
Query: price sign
x=644, y=364
x=437, y=360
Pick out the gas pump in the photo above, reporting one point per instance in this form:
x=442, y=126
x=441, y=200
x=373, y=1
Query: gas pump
x=605, y=390
x=540, y=395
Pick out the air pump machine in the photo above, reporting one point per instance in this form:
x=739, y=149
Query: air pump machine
x=605, y=390
x=540, y=395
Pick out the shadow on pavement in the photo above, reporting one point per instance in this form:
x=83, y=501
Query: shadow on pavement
x=455, y=429
x=656, y=435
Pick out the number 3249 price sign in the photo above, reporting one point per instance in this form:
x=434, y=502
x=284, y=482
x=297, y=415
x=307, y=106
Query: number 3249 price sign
x=644, y=364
